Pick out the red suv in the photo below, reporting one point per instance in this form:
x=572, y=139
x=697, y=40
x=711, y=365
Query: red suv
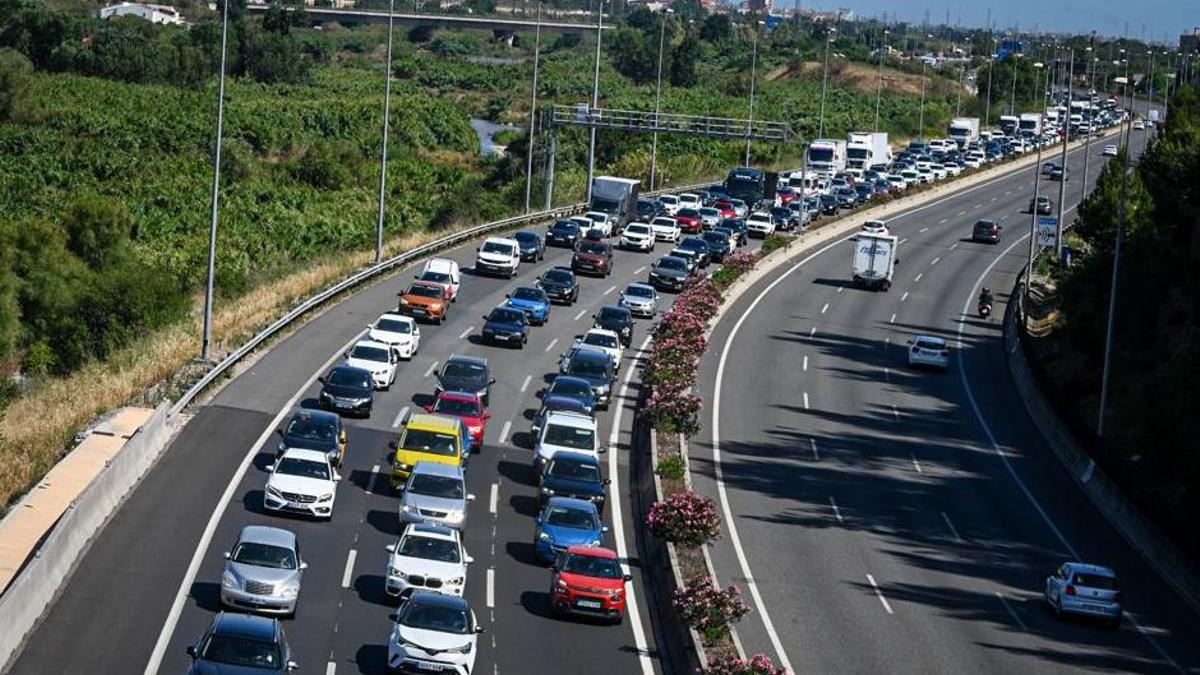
x=726, y=208
x=588, y=580
x=593, y=257
x=689, y=221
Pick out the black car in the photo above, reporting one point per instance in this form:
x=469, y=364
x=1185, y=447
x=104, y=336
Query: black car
x=865, y=192
x=468, y=374
x=617, y=319
x=563, y=233
x=738, y=227
x=669, y=273
x=241, y=643
x=647, y=209
x=830, y=205
x=560, y=285
x=532, y=246
x=506, y=326
x=847, y=197
x=315, y=430
x=784, y=218
x=576, y=475
x=347, y=390
x=1042, y=205
x=987, y=231
x=699, y=247
x=718, y=243
x=595, y=366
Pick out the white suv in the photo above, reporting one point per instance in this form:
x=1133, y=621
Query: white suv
x=600, y=221
x=378, y=358
x=434, y=633
x=688, y=200
x=760, y=224
x=665, y=228
x=498, y=256
x=427, y=557
x=398, y=331
x=568, y=432
x=637, y=237
x=302, y=481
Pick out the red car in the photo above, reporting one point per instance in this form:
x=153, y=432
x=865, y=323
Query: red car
x=726, y=208
x=689, y=221
x=786, y=195
x=588, y=580
x=467, y=407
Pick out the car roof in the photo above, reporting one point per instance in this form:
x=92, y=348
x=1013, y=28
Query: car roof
x=571, y=419
x=600, y=331
x=432, y=422
x=930, y=338
x=439, y=469
x=572, y=503
x=615, y=308
x=460, y=396
x=559, y=268
x=500, y=240
x=397, y=317
x=370, y=343
x=363, y=372
x=438, y=599
x=588, y=351
x=426, y=284
x=264, y=534
x=249, y=625
x=317, y=415
x=437, y=263
x=593, y=552
x=310, y=455
x=1088, y=568
x=583, y=457
x=431, y=531
x=462, y=358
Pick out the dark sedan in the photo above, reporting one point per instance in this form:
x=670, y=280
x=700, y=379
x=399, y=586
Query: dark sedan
x=647, y=210
x=617, y=319
x=784, y=218
x=347, y=390
x=669, y=273
x=315, y=430
x=532, y=247
x=241, y=644
x=468, y=374
x=830, y=205
x=738, y=227
x=506, y=326
x=699, y=247
x=718, y=243
x=560, y=285
x=563, y=233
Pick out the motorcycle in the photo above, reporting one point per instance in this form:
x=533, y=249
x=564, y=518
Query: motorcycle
x=985, y=310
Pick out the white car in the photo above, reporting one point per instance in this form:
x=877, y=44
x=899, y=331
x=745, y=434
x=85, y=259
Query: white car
x=583, y=222
x=640, y=299
x=974, y=159
x=434, y=633
x=429, y=557
x=665, y=229
x=896, y=181
x=302, y=481
x=565, y=431
x=445, y=272
x=709, y=217
x=605, y=340
x=378, y=358
x=875, y=227
x=760, y=224
x=953, y=168
x=1110, y=151
x=670, y=204
x=928, y=351
x=600, y=221
x=1139, y=125
x=638, y=237
x=939, y=171
x=397, y=331
x=910, y=176
x=688, y=200
x=498, y=256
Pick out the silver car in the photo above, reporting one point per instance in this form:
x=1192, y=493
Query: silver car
x=640, y=300
x=263, y=571
x=436, y=494
x=1086, y=590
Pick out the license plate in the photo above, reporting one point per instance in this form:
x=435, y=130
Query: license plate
x=429, y=666
x=297, y=506
x=347, y=406
x=501, y=337
x=590, y=604
x=418, y=312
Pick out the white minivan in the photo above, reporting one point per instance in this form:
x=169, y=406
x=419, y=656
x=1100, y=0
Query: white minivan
x=445, y=272
x=498, y=256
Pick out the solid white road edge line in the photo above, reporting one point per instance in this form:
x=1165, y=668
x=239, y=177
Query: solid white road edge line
x=348, y=574
x=635, y=618
x=991, y=437
x=879, y=594
x=400, y=417
x=189, y=577
x=1011, y=611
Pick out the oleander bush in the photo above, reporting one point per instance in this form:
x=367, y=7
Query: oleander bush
x=708, y=609
x=686, y=519
x=759, y=664
x=671, y=467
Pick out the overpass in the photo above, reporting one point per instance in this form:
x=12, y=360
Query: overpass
x=453, y=21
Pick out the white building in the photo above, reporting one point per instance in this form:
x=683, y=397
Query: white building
x=152, y=13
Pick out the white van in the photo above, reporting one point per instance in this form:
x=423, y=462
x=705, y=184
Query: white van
x=445, y=272
x=498, y=256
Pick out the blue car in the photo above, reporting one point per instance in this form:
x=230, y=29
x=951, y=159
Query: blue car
x=565, y=522
x=506, y=326
x=576, y=475
x=533, y=301
x=241, y=644
x=533, y=248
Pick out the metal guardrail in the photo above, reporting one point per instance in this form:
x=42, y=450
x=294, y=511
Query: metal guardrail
x=370, y=273
x=669, y=123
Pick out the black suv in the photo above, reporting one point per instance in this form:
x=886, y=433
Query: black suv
x=617, y=319
x=560, y=285
x=987, y=231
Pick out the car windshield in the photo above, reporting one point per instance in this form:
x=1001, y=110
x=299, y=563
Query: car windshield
x=557, y=276
x=264, y=555
x=526, y=237
x=569, y=437
x=596, y=217
x=600, y=340
x=669, y=199
x=583, y=366
x=497, y=247
x=368, y=353
x=672, y=264
x=570, y=388
x=640, y=291
x=930, y=344
x=442, y=487
x=437, y=618
x=236, y=650
x=424, y=291
x=689, y=213
x=693, y=244
x=592, y=566
x=637, y=228
x=349, y=377
x=710, y=212
x=428, y=548
x=1100, y=581
x=574, y=470
x=310, y=429
x=564, y=226
x=393, y=326
x=464, y=370
x=305, y=468
x=593, y=247
x=455, y=406
x=432, y=442
x=507, y=315
x=436, y=277
x=612, y=314
x=526, y=293
x=665, y=222
x=578, y=519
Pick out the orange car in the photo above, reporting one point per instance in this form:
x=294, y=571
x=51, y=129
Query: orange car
x=425, y=300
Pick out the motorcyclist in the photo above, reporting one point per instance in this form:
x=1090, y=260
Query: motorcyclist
x=985, y=297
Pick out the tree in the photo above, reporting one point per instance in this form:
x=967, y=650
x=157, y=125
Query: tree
x=16, y=72
x=634, y=56
x=683, y=63
x=98, y=231
x=716, y=28
x=10, y=310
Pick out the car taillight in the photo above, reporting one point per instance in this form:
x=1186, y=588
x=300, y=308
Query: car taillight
x=1070, y=590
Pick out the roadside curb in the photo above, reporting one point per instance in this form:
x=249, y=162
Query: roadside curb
x=1158, y=551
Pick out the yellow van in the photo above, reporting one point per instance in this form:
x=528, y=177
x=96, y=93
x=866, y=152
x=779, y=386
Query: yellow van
x=426, y=438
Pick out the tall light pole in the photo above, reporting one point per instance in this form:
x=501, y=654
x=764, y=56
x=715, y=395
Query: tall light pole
x=1033, y=212
x=921, y=124
x=662, y=37
x=387, y=113
x=595, y=100
x=1062, y=185
x=1087, y=143
x=206, y=339
x=987, y=111
x=1012, y=105
x=1149, y=92
x=825, y=82
x=753, y=79
x=883, y=50
x=958, y=100
x=537, y=49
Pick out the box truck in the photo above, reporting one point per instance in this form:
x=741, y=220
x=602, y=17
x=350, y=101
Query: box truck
x=1008, y=124
x=874, y=260
x=864, y=148
x=1031, y=124
x=826, y=155
x=964, y=130
x=617, y=197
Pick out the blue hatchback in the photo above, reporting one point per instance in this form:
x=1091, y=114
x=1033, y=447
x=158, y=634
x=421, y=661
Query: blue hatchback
x=565, y=522
x=533, y=301
x=505, y=326
x=241, y=644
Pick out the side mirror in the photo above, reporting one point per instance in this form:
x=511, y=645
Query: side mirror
x=390, y=548
x=279, y=431
x=607, y=481
x=227, y=555
x=468, y=559
x=487, y=415
x=321, y=379
x=392, y=445
x=480, y=629
x=346, y=354
x=191, y=651
x=627, y=577
x=604, y=529
x=601, y=451
x=303, y=565
x=492, y=381
x=292, y=665
x=370, y=325
x=485, y=318
x=337, y=476
x=470, y=497
x=428, y=407
x=476, y=248
x=508, y=295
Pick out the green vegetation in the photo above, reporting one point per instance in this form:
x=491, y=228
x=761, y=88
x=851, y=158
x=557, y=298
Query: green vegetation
x=1150, y=446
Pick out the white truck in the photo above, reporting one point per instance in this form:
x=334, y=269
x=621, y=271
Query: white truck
x=874, y=260
x=826, y=155
x=1030, y=124
x=964, y=130
x=617, y=197
x=864, y=148
x=1008, y=124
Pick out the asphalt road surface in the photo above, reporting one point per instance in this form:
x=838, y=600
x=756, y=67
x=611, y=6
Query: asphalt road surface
x=895, y=520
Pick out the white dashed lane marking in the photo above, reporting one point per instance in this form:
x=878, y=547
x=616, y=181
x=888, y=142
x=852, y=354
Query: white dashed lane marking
x=465, y=333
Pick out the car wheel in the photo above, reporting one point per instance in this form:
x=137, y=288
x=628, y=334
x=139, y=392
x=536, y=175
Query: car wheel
x=1057, y=608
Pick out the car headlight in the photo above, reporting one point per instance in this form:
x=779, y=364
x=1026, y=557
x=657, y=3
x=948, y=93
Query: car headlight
x=597, y=498
x=456, y=581
x=290, y=591
x=465, y=649
x=326, y=498
x=404, y=301
x=403, y=467
x=395, y=572
x=548, y=492
x=455, y=516
x=408, y=508
x=542, y=536
x=615, y=597
x=273, y=491
x=362, y=401
x=435, y=306
x=229, y=581
x=595, y=543
x=325, y=395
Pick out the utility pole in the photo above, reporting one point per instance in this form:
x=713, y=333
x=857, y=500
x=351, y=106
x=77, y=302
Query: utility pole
x=1033, y=212
x=595, y=100
x=537, y=49
x=987, y=114
x=883, y=49
x=1087, y=143
x=387, y=113
x=662, y=36
x=921, y=124
x=753, y=79
x=206, y=339
x=825, y=82
x=1062, y=186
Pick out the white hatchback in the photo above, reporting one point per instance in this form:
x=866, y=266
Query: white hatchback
x=928, y=351
x=377, y=358
x=665, y=229
x=399, y=332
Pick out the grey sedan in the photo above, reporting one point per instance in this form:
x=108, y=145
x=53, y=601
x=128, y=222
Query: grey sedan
x=436, y=494
x=263, y=572
x=1085, y=590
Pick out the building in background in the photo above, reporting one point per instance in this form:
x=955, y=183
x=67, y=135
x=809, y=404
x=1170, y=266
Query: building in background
x=1190, y=42
x=152, y=13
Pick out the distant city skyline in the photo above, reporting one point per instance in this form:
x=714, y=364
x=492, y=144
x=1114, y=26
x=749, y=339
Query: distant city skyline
x=1155, y=20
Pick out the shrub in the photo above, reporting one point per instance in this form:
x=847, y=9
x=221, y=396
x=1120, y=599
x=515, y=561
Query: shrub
x=687, y=519
x=671, y=467
x=775, y=242
x=759, y=664
x=709, y=609
x=671, y=409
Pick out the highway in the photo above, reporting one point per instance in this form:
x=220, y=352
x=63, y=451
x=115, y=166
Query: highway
x=891, y=520
x=138, y=569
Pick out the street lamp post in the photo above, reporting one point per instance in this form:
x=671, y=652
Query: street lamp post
x=595, y=100
x=987, y=114
x=825, y=83
x=1012, y=104
x=1033, y=212
x=883, y=49
x=206, y=339
x=1087, y=143
x=387, y=113
x=921, y=115
x=537, y=49
x=1062, y=185
x=662, y=36
x=1149, y=93
x=753, y=79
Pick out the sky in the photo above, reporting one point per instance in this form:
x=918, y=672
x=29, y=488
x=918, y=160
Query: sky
x=1156, y=20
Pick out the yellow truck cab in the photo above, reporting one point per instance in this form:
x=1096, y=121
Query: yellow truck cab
x=426, y=438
